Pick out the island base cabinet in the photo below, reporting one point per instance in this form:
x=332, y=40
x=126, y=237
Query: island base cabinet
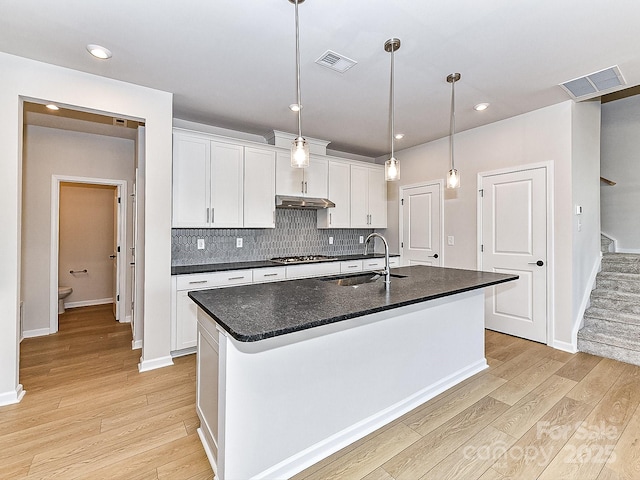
x=291, y=403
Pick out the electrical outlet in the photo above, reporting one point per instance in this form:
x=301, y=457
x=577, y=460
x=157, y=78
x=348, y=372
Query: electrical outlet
x=330, y=240
x=450, y=240
x=201, y=244
x=238, y=242
x=361, y=239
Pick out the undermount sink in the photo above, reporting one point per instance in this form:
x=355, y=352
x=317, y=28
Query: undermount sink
x=354, y=280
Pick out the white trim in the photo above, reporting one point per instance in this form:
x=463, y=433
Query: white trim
x=207, y=450
x=627, y=250
x=586, y=301
x=127, y=319
x=310, y=456
x=136, y=344
x=564, y=346
x=550, y=183
x=14, y=396
x=121, y=185
x=88, y=303
x=38, y=332
x=146, y=365
x=440, y=183
x=615, y=241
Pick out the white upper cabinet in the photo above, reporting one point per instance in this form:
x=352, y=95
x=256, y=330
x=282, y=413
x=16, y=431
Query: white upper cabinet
x=306, y=182
x=259, y=188
x=338, y=193
x=227, y=176
x=368, y=197
x=191, y=181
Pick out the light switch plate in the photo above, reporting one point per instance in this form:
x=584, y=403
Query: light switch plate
x=238, y=242
x=361, y=239
x=450, y=240
x=330, y=240
x=201, y=244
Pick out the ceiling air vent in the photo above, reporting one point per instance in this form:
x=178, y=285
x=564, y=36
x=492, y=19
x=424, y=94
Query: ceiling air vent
x=120, y=122
x=335, y=61
x=595, y=84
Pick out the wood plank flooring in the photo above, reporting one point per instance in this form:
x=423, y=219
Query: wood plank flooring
x=535, y=413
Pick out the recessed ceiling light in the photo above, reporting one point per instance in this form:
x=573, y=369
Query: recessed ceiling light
x=294, y=107
x=399, y=136
x=53, y=107
x=480, y=107
x=99, y=52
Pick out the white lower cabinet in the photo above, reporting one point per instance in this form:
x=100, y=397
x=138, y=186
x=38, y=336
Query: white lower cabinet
x=312, y=270
x=351, y=266
x=373, y=264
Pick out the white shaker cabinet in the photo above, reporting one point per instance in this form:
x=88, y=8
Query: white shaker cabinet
x=259, y=188
x=368, y=197
x=207, y=183
x=338, y=193
x=301, y=182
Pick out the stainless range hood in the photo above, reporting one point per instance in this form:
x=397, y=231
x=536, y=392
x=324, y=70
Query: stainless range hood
x=285, y=201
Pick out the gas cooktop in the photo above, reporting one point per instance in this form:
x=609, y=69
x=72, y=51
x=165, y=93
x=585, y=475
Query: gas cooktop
x=302, y=259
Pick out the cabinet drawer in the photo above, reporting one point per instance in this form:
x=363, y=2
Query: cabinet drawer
x=394, y=262
x=315, y=270
x=274, y=274
x=199, y=281
x=373, y=264
x=351, y=266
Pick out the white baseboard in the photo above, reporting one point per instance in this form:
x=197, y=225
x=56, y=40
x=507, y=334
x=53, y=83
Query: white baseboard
x=628, y=250
x=207, y=450
x=127, y=319
x=146, y=365
x=38, y=332
x=88, y=303
x=136, y=344
x=183, y=352
x=14, y=396
x=323, y=449
x=584, y=304
x=565, y=346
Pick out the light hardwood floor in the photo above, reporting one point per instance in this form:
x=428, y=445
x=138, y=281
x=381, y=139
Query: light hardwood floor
x=535, y=413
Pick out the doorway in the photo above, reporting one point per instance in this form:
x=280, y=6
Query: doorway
x=421, y=240
x=515, y=232
x=95, y=268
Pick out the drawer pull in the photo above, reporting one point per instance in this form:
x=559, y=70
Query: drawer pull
x=352, y=266
x=270, y=275
x=235, y=278
x=199, y=281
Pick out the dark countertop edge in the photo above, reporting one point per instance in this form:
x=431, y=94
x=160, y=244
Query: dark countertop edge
x=224, y=267
x=275, y=333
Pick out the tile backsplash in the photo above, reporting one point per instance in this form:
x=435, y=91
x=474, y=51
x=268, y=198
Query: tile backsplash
x=296, y=233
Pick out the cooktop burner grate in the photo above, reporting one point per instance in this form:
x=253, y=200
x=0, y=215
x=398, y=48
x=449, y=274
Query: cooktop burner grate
x=302, y=259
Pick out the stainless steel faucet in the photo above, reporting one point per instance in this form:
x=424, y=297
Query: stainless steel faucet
x=386, y=272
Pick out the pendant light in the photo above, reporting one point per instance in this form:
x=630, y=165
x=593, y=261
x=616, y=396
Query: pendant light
x=453, y=177
x=299, y=147
x=392, y=166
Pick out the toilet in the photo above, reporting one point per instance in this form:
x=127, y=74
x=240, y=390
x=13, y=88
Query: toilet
x=63, y=292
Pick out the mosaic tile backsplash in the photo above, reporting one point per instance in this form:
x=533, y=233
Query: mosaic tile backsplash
x=296, y=233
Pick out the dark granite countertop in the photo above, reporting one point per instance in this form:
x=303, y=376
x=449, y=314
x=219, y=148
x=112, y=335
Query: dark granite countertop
x=255, y=312
x=223, y=267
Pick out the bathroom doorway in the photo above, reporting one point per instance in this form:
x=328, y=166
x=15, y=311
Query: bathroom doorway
x=88, y=241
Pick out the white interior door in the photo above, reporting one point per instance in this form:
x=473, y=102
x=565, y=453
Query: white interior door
x=421, y=240
x=115, y=256
x=514, y=241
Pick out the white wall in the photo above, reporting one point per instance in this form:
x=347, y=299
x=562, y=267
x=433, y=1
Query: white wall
x=585, y=187
x=47, y=152
x=27, y=79
x=620, y=163
x=539, y=136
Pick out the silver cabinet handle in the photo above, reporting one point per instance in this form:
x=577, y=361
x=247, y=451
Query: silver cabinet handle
x=213, y=215
x=270, y=275
x=352, y=266
x=302, y=186
x=329, y=219
x=199, y=281
x=236, y=278
x=207, y=214
x=306, y=188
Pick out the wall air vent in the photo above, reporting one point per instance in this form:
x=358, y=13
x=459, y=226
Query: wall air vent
x=335, y=61
x=120, y=122
x=595, y=84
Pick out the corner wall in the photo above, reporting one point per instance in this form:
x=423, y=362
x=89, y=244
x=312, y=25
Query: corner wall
x=27, y=79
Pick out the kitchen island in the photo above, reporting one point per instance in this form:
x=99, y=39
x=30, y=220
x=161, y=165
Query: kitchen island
x=291, y=372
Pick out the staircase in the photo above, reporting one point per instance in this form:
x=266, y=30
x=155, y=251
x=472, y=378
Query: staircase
x=612, y=322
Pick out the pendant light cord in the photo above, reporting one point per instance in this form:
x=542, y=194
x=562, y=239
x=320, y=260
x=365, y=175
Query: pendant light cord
x=298, y=72
x=453, y=121
x=393, y=106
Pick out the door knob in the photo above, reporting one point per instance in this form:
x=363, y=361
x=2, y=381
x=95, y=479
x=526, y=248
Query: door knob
x=435, y=255
x=538, y=263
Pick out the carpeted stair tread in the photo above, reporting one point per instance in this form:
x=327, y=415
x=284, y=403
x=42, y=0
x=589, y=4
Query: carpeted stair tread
x=609, y=351
x=604, y=314
x=615, y=334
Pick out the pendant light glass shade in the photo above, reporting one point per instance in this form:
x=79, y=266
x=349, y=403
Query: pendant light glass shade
x=299, y=147
x=392, y=166
x=453, y=177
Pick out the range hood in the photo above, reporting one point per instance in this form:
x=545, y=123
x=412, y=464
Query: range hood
x=285, y=201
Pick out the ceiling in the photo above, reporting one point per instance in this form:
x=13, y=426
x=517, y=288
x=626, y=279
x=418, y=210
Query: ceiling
x=232, y=64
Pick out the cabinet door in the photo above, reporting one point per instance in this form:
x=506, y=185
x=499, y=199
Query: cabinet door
x=316, y=178
x=289, y=180
x=259, y=188
x=359, y=196
x=338, y=193
x=191, y=181
x=187, y=322
x=377, y=198
x=227, y=171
